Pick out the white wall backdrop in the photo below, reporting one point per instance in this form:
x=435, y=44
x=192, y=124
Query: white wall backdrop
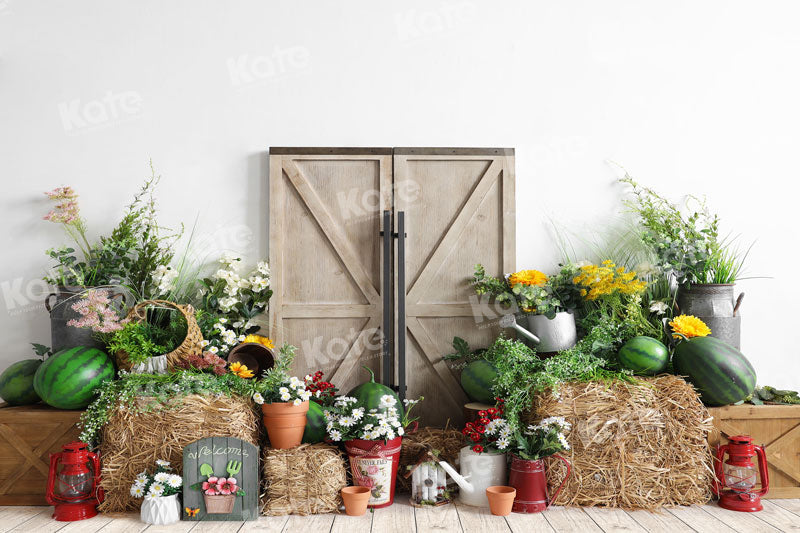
x=692, y=97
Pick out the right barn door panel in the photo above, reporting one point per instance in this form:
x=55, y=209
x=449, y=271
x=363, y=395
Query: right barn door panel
x=458, y=209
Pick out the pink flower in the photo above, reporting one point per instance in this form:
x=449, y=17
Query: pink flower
x=227, y=486
x=62, y=193
x=96, y=313
x=210, y=486
x=372, y=470
x=367, y=482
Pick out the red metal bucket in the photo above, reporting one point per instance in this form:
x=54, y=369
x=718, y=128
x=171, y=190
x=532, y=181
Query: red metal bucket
x=529, y=478
x=374, y=464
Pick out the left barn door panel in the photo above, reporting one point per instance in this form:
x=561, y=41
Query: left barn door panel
x=326, y=256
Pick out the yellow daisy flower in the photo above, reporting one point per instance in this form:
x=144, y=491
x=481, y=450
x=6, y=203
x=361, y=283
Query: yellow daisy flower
x=527, y=277
x=260, y=339
x=241, y=370
x=688, y=326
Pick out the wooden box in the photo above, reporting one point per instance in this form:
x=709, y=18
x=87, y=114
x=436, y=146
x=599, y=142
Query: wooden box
x=777, y=427
x=28, y=435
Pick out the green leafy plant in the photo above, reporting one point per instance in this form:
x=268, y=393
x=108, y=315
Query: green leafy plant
x=135, y=340
x=128, y=256
x=771, y=395
x=277, y=385
x=463, y=353
x=41, y=350
x=541, y=440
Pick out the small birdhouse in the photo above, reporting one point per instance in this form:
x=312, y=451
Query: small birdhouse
x=428, y=481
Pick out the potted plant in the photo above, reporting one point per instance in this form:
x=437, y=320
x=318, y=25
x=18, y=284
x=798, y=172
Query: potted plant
x=483, y=458
x=160, y=492
x=689, y=250
x=547, y=304
x=126, y=260
x=373, y=439
x=527, y=474
x=220, y=493
x=284, y=401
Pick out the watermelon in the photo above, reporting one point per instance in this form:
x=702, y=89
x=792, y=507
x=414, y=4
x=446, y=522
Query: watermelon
x=16, y=382
x=69, y=378
x=644, y=355
x=477, y=380
x=315, y=424
x=369, y=394
x=720, y=372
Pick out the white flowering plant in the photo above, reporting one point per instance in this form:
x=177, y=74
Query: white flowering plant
x=542, y=439
x=231, y=300
x=277, y=385
x=161, y=483
x=348, y=419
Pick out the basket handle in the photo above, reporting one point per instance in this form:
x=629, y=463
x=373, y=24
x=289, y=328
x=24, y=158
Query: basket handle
x=185, y=310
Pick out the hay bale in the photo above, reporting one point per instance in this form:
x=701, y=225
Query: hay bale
x=446, y=441
x=303, y=480
x=132, y=442
x=633, y=446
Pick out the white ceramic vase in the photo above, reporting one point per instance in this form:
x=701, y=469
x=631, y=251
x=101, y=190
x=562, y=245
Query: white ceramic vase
x=154, y=365
x=161, y=511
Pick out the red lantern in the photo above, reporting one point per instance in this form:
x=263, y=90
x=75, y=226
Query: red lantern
x=737, y=476
x=73, y=486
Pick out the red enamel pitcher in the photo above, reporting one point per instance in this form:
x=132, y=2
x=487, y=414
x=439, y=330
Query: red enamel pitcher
x=529, y=478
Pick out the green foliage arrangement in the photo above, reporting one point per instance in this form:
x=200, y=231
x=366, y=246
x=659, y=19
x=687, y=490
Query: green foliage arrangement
x=463, y=353
x=522, y=375
x=165, y=390
x=128, y=256
x=541, y=440
x=135, y=340
x=687, y=246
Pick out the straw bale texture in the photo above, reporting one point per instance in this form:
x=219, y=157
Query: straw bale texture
x=303, y=480
x=132, y=442
x=639, y=446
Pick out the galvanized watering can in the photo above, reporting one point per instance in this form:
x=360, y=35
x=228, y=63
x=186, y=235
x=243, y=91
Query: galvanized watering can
x=713, y=304
x=545, y=334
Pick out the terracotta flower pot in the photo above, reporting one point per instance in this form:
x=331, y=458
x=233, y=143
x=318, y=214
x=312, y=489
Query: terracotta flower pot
x=501, y=499
x=285, y=423
x=355, y=500
x=219, y=504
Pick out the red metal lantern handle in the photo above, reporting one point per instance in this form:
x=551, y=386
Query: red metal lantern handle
x=51, y=477
x=763, y=470
x=564, y=482
x=99, y=493
x=719, y=475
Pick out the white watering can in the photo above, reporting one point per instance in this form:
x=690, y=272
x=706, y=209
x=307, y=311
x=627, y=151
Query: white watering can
x=480, y=470
x=546, y=334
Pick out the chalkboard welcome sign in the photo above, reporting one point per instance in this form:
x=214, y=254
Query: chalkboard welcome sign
x=229, y=469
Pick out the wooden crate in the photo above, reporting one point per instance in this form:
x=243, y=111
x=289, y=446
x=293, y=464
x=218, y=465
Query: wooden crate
x=775, y=426
x=28, y=434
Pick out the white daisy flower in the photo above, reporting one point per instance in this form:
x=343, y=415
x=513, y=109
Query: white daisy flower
x=297, y=401
x=563, y=441
x=335, y=435
x=358, y=413
x=258, y=398
x=658, y=307
x=142, y=478
x=204, y=343
x=151, y=497
x=502, y=443
x=175, y=481
x=305, y=395
x=285, y=397
x=387, y=400
x=400, y=431
x=162, y=463
x=137, y=491
x=213, y=349
x=374, y=435
x=156, y=489
x=161, y=477
x=346, y=421
x=283, y=390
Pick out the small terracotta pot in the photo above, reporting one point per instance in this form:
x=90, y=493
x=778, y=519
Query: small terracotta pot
x=500, y=499
x=219, y=504
x=254, y=356
x=355, y=500
x=285, y=423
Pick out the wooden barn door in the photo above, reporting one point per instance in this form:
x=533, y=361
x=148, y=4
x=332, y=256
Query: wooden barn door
x=326, y=257
x=458, y=210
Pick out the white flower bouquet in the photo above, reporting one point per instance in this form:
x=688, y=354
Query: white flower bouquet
x=162, y=483
x=348, y=420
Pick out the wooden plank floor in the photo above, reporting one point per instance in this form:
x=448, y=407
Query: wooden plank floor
x=778, y=515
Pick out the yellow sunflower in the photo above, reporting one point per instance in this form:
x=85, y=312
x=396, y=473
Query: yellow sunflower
x=527, y=277
x=688, y=326
x=260, y=339
x=241, y=370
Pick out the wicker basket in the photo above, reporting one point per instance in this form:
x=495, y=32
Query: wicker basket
x=191, y=345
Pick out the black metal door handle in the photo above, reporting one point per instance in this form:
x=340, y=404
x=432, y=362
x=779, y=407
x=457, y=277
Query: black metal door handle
x=401, y=304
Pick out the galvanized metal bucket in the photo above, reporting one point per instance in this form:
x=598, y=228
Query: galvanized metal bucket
x=707, y=299
x=725, y=328
x=62, y=336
